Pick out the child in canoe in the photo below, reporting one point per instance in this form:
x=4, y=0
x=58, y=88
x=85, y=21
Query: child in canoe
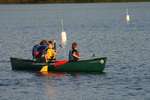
x=74, y=54
x=50, y=54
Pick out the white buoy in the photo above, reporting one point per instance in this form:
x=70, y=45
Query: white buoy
x=127, y=16
x=63, y=35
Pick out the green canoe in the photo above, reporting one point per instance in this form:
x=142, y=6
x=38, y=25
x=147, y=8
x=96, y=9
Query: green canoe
x=92, y=65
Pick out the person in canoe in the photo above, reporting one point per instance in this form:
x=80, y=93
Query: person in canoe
x=50, y=54
x=39, y=50
x=74, y=54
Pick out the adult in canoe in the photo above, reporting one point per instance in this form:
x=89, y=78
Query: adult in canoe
x=43, y=51
x=74, y=54
x=38, y=50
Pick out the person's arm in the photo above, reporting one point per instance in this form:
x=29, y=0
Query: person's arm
x=54, y=54
x=75, y=55
x=48, y=55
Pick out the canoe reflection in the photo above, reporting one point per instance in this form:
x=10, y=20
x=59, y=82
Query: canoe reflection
x=52, y=74
x=49, y=86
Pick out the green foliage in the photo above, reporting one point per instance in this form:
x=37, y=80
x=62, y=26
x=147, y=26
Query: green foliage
x=67, y=1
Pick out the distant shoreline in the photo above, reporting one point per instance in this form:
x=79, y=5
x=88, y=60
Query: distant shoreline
x=66, y=1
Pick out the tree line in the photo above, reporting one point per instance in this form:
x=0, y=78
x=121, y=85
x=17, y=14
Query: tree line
x=67, y=1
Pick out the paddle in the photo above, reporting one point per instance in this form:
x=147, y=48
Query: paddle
x=63, y=35
x=127, y=16
x=63, y=39
x=44, y=68
x=63, y=43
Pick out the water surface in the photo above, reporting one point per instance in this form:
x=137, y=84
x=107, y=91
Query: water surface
x=99, y=29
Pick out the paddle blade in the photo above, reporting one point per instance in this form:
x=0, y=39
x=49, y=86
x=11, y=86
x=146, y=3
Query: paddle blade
x=44, y=69
x=63, y=38
x=127, y=16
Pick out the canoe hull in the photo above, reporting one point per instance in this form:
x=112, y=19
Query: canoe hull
x=92, y=65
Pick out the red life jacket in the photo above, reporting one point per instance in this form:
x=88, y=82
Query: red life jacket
x=59, y=63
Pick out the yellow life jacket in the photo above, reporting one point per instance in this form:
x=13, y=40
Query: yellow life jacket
x=51, y=54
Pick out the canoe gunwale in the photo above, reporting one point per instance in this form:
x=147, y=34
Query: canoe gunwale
x=93, y=65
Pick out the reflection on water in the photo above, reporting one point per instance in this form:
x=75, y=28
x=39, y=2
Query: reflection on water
x=63, y=74
x=51, y=74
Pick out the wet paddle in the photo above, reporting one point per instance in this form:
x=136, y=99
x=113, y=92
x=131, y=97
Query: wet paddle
x=63, y=40
x=44, y=68
x=63, y=43
x=63, y=35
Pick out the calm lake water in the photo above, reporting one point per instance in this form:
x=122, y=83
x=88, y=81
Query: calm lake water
x=98, y=28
